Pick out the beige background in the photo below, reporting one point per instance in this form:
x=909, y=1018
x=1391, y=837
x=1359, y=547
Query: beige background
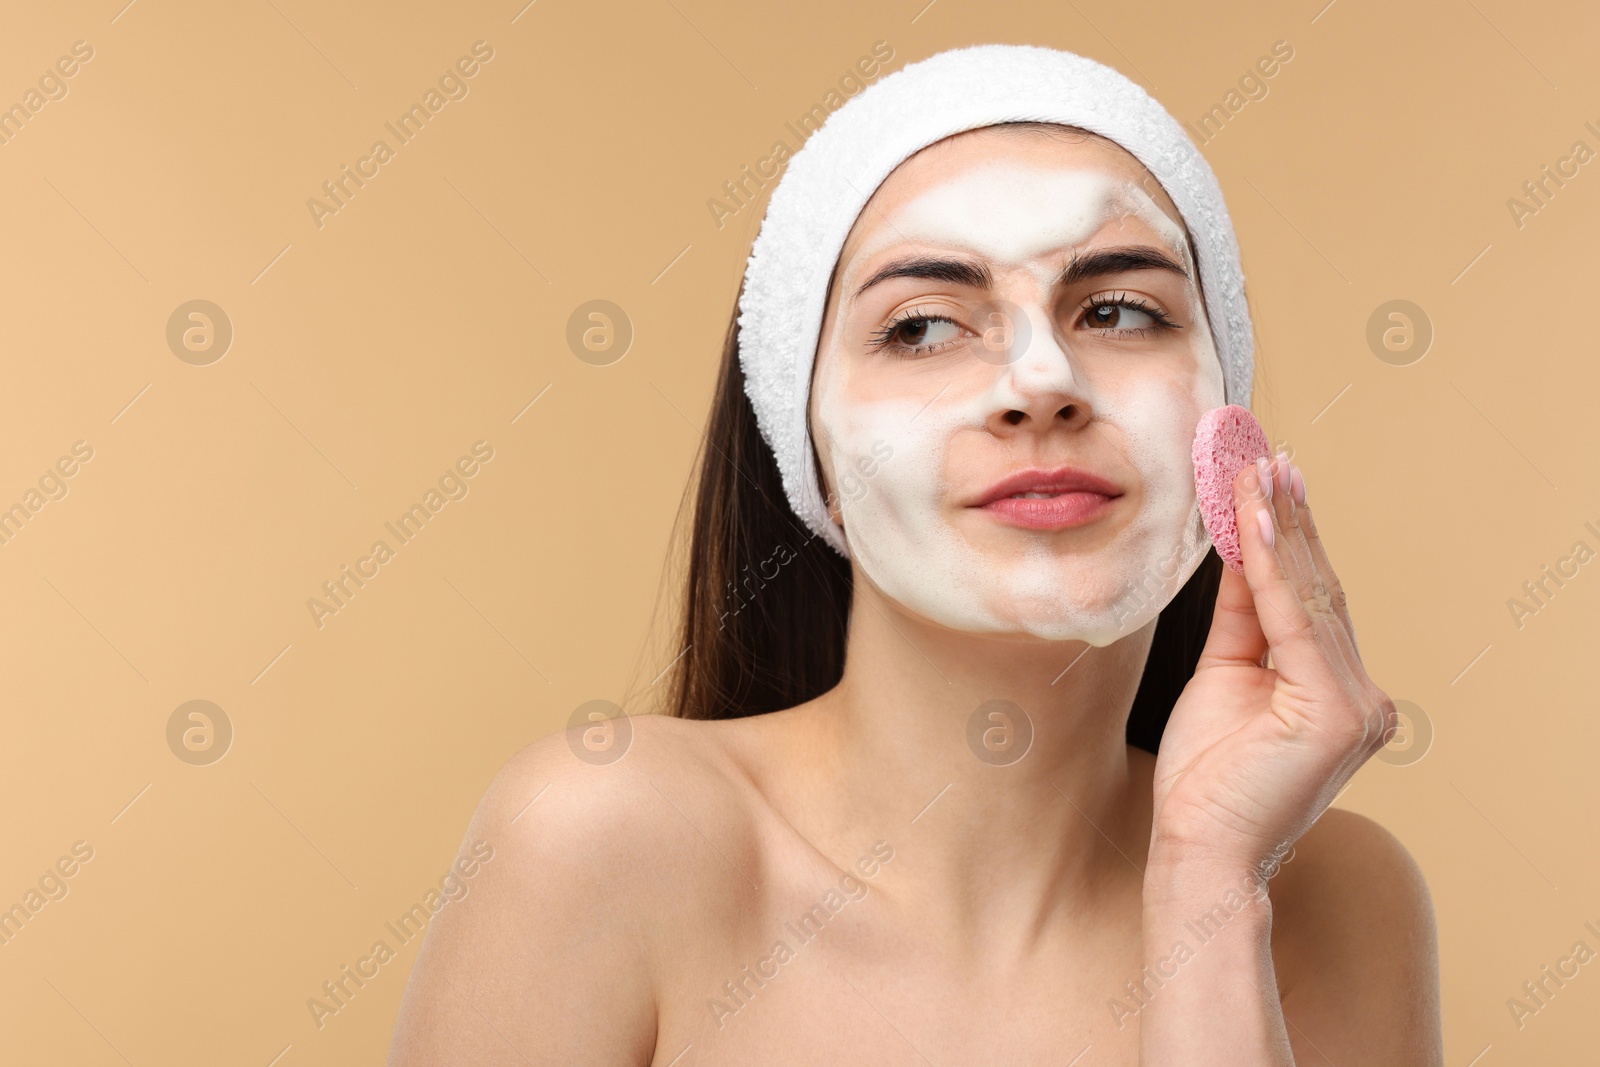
x=425, y=315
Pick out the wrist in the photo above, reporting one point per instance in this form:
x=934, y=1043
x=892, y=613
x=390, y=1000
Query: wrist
x=1187, y=878
x=1208, y=992
x=1171, y=854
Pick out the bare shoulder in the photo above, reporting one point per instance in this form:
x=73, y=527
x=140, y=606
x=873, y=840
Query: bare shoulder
x=587, y=831
x=1355, y=946
x=621, y=775
x=617, y=807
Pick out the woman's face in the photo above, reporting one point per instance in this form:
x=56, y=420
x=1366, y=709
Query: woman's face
x=1013, y=360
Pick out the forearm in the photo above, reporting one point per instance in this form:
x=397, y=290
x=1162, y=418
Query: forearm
x=1209, y=994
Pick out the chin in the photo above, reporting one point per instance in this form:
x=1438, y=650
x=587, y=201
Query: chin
x=1002, y=611
x=1098, y=627
x=1098, y=630
x=1037, y=591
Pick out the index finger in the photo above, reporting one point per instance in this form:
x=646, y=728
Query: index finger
x=1330, y=580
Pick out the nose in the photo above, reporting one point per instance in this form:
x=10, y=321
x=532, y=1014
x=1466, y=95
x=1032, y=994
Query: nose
x=1040, y=386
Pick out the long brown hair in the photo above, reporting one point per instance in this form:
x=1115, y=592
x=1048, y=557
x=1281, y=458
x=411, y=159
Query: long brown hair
x=766, y=603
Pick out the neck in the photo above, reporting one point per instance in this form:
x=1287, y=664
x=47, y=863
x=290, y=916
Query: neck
x=995, y=765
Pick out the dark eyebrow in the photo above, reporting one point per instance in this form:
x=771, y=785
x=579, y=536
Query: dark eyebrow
x=956, y=271
x=1082, y=268
x=1116, y=261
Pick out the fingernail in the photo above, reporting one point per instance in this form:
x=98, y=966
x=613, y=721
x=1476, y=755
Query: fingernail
x=1264, y=521
x=1297, y=485
x=1264, y=478
x=1283, y=471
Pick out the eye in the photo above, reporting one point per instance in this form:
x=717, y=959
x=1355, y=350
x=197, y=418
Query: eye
x=1117, y=315
x=925, y=332
x=1120, y=313
x=917, y=332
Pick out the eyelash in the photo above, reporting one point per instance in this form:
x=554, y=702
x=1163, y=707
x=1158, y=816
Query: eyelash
x=1120, y=299
x=884, y=338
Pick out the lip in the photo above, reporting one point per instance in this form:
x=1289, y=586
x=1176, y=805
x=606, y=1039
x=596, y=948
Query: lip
x=1077, y=498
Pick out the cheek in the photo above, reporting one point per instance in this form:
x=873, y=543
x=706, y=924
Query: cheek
x=884, y=455
x=883, y=444
x=851, y=429
x=1158, y=417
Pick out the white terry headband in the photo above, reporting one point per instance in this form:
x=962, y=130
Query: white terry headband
x=831, y=177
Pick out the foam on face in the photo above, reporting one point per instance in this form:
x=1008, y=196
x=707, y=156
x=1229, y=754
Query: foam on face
x=956, y=565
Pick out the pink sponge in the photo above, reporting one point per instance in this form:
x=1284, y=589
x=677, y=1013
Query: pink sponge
x=1227, y=440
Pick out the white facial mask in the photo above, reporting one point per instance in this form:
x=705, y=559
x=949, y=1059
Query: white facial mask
x=960, y=567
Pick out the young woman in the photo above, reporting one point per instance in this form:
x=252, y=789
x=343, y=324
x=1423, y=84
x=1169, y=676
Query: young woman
x=978, y=753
